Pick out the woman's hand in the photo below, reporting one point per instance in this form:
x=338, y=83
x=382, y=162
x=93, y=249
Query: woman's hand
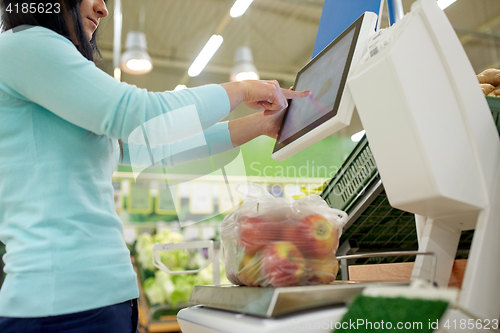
x=248, y=128
x=261, y=95
x=271, y=122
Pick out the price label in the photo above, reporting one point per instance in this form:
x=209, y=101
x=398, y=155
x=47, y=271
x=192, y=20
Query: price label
x=201, y=198
x=167, y=201
x=139, y=199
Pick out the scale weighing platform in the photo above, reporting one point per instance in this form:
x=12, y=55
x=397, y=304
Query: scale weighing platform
x=266, y=310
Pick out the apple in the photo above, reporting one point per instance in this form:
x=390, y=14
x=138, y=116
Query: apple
x=249, y=270
x=314, y=235
x=257, y=232
x=282, y=264
x=322, y=271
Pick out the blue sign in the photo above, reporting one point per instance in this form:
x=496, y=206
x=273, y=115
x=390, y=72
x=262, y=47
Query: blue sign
x=337, y=16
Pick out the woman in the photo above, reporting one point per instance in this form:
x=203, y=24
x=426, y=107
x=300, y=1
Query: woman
x=68, y=269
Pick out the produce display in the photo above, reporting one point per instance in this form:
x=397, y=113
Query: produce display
x=162, y=288
x=489, y=80
x=269, y=241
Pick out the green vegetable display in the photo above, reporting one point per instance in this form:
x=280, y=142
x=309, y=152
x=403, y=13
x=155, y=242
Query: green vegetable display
x=163, y=288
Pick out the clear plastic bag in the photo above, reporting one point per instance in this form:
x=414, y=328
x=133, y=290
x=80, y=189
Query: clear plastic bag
x=269, y=241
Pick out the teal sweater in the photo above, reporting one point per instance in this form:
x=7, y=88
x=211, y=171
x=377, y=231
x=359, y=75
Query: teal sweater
x=60, y=118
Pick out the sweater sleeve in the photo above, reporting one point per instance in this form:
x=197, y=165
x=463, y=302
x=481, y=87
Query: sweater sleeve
x=213, y=141
x=43, y=67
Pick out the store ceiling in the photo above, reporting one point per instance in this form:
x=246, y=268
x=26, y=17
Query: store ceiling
x=281, y=34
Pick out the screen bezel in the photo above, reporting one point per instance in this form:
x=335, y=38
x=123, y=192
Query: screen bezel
x=333, y=112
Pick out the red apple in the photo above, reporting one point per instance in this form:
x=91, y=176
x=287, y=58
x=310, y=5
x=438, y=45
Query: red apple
x=257, y=232
x=249, y=270
x=322, y=271
x=314, y=235
x=282, y=264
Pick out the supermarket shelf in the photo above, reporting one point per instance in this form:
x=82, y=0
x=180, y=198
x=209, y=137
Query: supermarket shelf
x=170, y=225
x=146, y=322
x=178, y=177
x=167, y=326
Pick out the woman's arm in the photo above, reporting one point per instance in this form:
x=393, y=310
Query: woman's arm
x=41, y=66
x=215, y=140
x=212, y=141
x=247, y=128
x=261, y=95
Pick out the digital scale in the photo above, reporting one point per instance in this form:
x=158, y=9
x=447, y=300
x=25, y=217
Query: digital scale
x=278, y=310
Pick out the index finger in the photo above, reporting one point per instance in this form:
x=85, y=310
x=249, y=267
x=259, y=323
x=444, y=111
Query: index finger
x=291, y=94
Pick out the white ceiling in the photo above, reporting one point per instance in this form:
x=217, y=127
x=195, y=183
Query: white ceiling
x=281, y=34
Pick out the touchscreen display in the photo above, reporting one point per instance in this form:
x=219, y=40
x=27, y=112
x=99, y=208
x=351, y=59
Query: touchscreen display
x=325, y=76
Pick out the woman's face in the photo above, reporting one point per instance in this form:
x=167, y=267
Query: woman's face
x=92, y=11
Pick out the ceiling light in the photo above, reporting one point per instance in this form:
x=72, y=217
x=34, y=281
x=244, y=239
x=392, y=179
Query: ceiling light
x=445, y=3
x=180, y=87
x=246, y=76
x=244, y=68
x=136, y=59
x=205, y=55
x=239, y=7
x=118, y=74
x=358, y=136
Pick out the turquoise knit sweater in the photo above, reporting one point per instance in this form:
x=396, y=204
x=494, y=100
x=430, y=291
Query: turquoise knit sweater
x=60, y=118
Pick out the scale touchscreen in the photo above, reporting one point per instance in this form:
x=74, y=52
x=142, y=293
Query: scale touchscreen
x=323, y=78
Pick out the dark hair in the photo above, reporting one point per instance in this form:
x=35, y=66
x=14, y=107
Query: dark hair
x=53, y=21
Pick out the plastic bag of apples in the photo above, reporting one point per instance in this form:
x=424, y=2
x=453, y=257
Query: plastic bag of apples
x=269, y=241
